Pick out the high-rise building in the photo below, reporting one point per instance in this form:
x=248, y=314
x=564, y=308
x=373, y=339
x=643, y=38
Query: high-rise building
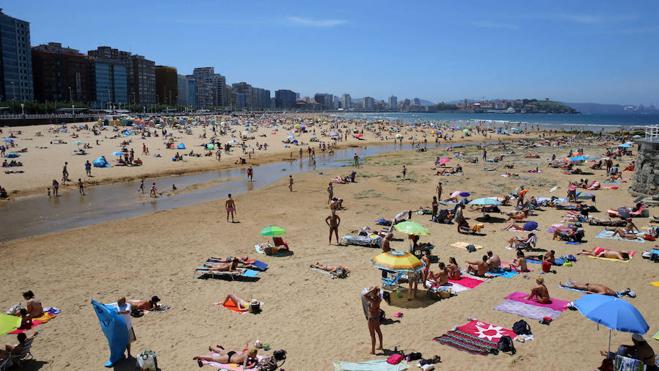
x=417, y=101
x=61, y=74
x=110, y=77
x=15, y=59
x=346, y=102
x=242, y=95
x=206, y=86
x=191, y=82
x=167, y=85
x=369, y=104
x=285, y=99
x=393, y=103
x=140, y=74
x=220, y=98
x=182, y=87
x=326, y=101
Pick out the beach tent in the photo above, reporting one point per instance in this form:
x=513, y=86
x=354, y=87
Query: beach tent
x=180, y=146
x=101, y=162
x=210, y=146
x=12, y=155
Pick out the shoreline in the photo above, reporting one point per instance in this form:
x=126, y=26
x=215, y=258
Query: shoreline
x=219, y=166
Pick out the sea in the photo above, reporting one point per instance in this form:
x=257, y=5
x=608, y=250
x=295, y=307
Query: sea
x=570, y=122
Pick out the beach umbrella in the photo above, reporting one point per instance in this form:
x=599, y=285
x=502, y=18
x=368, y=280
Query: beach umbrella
x=613, y=313
x=397, y=261
x=210, y=146
x=625, y=145
x=8, y=323
x=460, y=194
x=180, y=146
x=412, y=228
x=273, y=231
x=444, y=160
x=485, y=201
x=8, y=140
x=117, y=153
x=585, y=196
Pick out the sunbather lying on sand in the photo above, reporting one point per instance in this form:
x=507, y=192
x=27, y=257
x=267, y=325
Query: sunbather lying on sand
x=591, y=288
x=246, y=358
x=604, y=253
x=465, y=228
x=540, y=293
x=253, y=306
x=478, y=268
x=337, y=270
x=628, y=232
x=150, y=304
x=223, y=267
x=518, y=215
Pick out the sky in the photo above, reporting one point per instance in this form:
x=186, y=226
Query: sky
x=601, y=51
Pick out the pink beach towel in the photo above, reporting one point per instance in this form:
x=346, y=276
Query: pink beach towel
x=556, y=304
x=467, y=282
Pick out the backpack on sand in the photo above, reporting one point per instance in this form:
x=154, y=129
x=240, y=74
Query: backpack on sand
x=521, y=327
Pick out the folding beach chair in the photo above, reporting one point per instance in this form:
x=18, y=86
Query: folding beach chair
x=241, y=274
x=25, y=353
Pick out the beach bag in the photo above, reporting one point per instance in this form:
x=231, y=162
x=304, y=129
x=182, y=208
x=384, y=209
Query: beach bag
x=395, y=359
x=14, y=310
x=147, y=361
x=471, y=248
x=267, y=364
x=522, y=327
x=413, y=356
x=506, y=345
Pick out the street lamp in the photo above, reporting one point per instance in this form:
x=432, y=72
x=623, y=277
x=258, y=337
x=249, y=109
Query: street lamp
x=23, y=110
x=73, y=109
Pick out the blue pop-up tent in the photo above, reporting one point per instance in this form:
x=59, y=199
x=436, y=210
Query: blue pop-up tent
x=180, y=146
x=101, y=162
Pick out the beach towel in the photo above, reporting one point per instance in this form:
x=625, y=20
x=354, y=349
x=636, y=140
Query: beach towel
x=502, y=273
x=376, y=365
x=608, y=235
x=516, y=303
x=231, y=305
x=598, y=250
x=656, y=336
x=467, y=282
x=475, y=337
x=48, y=314
x=463, y=245
x=535, y=260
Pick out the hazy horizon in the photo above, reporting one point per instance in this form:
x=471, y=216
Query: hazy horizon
x=566, y=51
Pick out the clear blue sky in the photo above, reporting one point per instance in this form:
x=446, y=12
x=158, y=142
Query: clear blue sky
x=570, y=50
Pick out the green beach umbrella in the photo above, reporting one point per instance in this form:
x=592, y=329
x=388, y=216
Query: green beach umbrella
x=412, y=228
x=8, y=323
x=273, y=231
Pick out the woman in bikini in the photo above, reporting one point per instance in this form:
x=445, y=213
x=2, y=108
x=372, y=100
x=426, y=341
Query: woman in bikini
x=599, y=252
x=540, y=293
x=519, y=264
x=453, y=269
x=338, y=270
x=224, y=267
x=373, y=298
x=245, y=358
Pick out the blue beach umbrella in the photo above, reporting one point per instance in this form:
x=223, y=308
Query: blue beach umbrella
x=485, y=201
x=117, y=153
x=8, y=140
x=615, y=314
x=180, y=146
x=625, y=145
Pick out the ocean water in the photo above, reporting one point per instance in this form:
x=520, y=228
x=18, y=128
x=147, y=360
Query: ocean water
x=563, y=121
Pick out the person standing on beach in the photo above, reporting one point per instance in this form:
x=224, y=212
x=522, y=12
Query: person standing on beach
x=373, y=299
x=404, y=172
x=65, y=173
x=330, y=192
x=230, y=206
x=435, y=207
x=333, y=221
x=290, y=183
x=124, y=309
x=484, y=154
x=88, y=168
x=141, y=189
x=439, y=191
x=81, y=187
x=55, y=188
x=250, y=173
x=154, y=191
x=356, y=160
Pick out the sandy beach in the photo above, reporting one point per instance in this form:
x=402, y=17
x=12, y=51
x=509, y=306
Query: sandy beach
x=317, y=320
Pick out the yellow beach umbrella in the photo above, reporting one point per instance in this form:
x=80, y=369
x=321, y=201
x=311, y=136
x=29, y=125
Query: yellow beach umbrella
x=395, y=260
